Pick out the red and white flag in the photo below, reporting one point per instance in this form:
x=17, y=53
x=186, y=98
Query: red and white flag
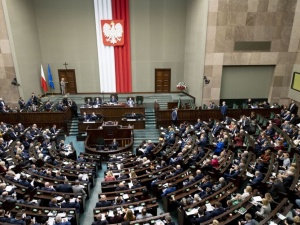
x=43, y=80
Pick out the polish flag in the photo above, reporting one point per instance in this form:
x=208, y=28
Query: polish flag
x=43, y=80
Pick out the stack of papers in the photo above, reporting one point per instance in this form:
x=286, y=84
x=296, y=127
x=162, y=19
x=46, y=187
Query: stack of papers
x=192, y=211
x=209, y=207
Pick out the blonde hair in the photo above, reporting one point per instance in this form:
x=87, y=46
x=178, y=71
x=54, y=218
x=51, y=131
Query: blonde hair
x=215, y=222
x=265, y=201
x=249, y=189
x=133, y=174
x=268, y=196
x=109, y=173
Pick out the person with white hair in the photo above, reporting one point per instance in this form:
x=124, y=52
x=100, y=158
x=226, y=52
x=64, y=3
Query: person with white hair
x=60, y=221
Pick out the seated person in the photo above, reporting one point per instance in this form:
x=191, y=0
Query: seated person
x=130, y=102
x=69, y=204
x=113, y=99
x=265, y=209
x=94, y=117
x=103, y=202
x=114, y=145
x=89, y=102
x=257, y=179
x=97, y=102
x=121, y=187
x=84, y=117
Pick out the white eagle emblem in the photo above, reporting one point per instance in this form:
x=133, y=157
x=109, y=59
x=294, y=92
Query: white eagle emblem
x=113, y=32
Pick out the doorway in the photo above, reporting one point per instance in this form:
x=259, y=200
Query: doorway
x=162, y=80
x=70, y=77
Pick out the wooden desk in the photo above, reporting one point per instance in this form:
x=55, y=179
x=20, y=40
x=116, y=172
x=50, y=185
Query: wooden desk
x=41, y=119
x=163, y=117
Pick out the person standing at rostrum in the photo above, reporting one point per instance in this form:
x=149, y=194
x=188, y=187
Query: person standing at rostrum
x=63, y=86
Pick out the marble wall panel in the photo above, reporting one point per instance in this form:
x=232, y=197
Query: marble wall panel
x=222, y=19
x=7, y=59
x=1, y=61
x=208, y=70
x=223, y=6
x=251, y=18
x=213, y=5
x=241, y=5
x=5, y=46
x=253, y=5
x=275, y=45
x=228, y=46
x=268, y=58
x=212, y=19
x=215, y=93
x=288, y=18
x=229, y=34
x=272, y=7
x=241, y=18
x=2, y=71
x=263, y=5
x=255, y=58
x=278, y=81
x=217, y=70
x=218, y=58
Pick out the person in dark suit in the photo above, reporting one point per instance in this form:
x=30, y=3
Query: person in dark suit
x=199, y=217
x=233, y=172
x=217, y=211
x=17, y=220
x=85, y=117
x=169, y=220
x=288, y=179
x=47, y=187
x=177, y=171
x=224, y=108
x=174, y=117
x=58, y=221
x=94, y=117
x=61, y=107
x=48, y=106
x=3, y=219
x=117, y=218
x=113, y=99
x=199, y=124
x=23, y=181
x=103, y=202
x=293, y=108
x=68, y=204
x=100, y=220
x=97, y=102
x=257, y=179
x=65, y=187
x=22, y=103
x=227, y=120
x=277, y=188
x=114, y=144
x=121, y=187
x=199, y=175
x=53, y=203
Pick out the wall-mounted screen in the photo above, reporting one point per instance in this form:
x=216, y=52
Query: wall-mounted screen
x=296, y=81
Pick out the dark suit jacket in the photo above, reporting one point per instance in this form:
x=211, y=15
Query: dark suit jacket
x=257, y=180
x=65, y=188
x=103, y=203
x=199, y=220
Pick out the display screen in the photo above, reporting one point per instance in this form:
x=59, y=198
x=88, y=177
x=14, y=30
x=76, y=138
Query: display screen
x=296, y=81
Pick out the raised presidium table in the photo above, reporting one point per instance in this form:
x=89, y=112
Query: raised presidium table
x=117, y=112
